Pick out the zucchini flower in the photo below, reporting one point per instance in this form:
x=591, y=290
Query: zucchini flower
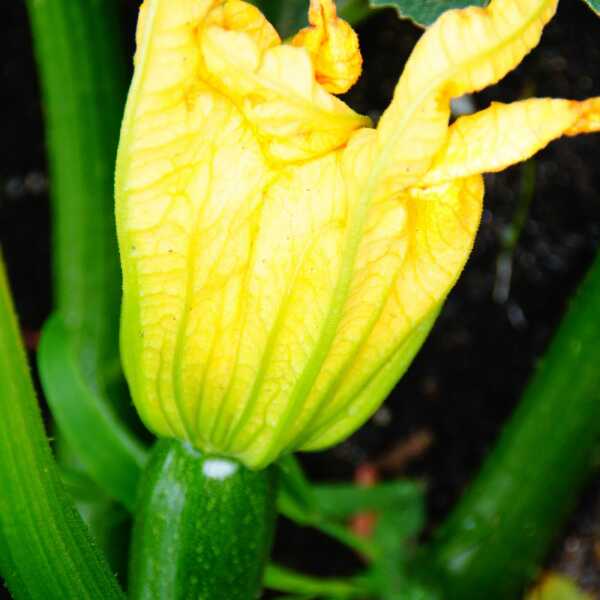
x=283, y=259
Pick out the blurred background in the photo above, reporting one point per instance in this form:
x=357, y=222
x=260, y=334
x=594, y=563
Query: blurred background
x=540, y=231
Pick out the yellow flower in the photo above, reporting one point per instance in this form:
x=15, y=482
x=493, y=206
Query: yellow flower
x=283, y=261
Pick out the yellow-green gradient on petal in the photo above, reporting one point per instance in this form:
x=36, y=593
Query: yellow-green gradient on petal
x=282, y=260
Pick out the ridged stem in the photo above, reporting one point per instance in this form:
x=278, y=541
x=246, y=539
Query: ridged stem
x=45, y=549
x=83, y=79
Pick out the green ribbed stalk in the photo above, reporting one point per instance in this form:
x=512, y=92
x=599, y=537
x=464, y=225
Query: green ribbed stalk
x=493, y=542
x=203, y=528
x=45, y=550
x=82, y=72
x=83, y=80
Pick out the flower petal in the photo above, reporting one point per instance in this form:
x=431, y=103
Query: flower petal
x=505, y=134
x=293, y=116
x=333, y=47
x=441, y=223
x=464, y=51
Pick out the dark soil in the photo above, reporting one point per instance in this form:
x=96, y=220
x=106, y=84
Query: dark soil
x=468, y=377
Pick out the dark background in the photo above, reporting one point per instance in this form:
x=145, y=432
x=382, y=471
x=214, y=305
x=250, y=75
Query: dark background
x=449, y=408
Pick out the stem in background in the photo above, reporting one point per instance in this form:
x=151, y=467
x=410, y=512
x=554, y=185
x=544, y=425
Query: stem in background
x=45, y=549
x=492, y=543
x=203, y=528
x=83, y=80
x=511, y=234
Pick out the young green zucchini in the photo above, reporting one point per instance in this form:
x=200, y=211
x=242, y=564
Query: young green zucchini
x=204, y=527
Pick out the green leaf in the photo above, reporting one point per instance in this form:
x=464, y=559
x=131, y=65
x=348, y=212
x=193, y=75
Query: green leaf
x=297, y=501
x=344, y=500
x=292, y=15
x=111, y=455
x=287, y=17
x=45, y=549
x=424, y=12
x=594, y=5
x=395, y=533
x=341, y=500
x=400, y=517
x=327, y=506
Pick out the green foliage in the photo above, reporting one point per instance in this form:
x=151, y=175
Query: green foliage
x=340, y=500
x=594, y=5
x=83, y=77
x=290, y=16
x=305, y=586
x=327, y=506
x=298, y=501
x=45, y=549
x=424, y=12
x=399, y=512
x=395, y=534
x=83, y=80
x=112, y=456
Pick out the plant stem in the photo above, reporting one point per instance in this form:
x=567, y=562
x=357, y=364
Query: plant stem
x=511, y=233
x=83, y=81
x=494, y=540
x=285, y=580
x=298, y=501
x=203, y=528
x=45, y=549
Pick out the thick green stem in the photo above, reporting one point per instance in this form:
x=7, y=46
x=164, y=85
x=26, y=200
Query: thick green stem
x=83, y=79
x=203, y=528
x=493, y=542
x=45, y=549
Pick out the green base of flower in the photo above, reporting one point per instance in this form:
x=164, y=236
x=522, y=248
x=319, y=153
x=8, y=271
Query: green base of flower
x=204, y=527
